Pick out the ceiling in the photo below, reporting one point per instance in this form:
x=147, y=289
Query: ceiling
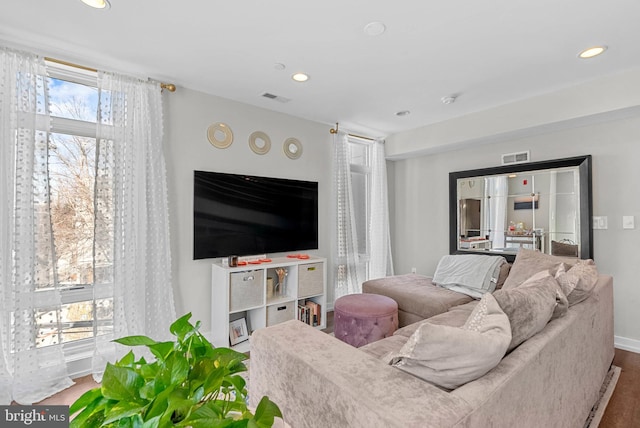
x=486, y=53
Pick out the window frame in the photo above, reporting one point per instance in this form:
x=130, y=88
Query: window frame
x=78, y=352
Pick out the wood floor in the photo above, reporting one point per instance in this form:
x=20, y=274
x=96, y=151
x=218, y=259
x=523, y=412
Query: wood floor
x=623, y=410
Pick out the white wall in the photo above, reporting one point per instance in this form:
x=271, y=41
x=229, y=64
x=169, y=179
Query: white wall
x=418, y=185
x=420, y=207
x=578, y=105
x=188, y=115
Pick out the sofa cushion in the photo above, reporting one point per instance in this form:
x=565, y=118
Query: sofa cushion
x=529, y=262
x=454, y=317
x=415, y=294
x=577, y=282
x=452, y=356
x=380, y=348
x=529, y=306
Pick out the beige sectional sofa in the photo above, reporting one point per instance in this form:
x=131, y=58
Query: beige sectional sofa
x=417, y=297
x=551, y=380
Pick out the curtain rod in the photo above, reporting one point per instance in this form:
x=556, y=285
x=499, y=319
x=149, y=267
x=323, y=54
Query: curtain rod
x=168, y=86
x=335, y=131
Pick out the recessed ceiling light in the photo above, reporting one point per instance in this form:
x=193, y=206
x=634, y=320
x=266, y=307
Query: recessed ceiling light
x=300, y=77
x=449, y=99
x=374, y=28
x=592, y=51
x=403, y=113
x=98, y=4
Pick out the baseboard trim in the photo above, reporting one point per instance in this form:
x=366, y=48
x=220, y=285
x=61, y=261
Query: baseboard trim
x=626, y=344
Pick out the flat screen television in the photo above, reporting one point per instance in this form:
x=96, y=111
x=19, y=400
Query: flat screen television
x=243, y=215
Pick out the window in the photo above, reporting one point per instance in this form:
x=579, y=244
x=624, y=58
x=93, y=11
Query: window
x=360, y=167
x=86, y=312
x=76, y=159
x=363, y=245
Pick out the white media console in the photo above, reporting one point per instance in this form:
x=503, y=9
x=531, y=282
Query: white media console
x=248, y=292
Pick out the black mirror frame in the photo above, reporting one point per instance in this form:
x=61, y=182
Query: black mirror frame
x=586, y=205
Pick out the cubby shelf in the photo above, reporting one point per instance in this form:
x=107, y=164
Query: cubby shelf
x=246, y=292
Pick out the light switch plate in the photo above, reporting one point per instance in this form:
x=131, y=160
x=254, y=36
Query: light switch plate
x=628, y=222
x=600, y=222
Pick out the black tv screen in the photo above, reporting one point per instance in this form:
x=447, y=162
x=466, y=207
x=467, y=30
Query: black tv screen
x=246, y=215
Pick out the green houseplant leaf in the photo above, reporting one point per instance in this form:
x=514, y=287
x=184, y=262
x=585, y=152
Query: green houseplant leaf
x=123, y=410
x=121, y=383
x=190, y=384
x=135, y=341
x=93, y=404
x=85, y=399
x=266, y=412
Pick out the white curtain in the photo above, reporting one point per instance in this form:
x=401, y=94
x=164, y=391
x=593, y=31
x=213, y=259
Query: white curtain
x=132, y=252
x=496, y=192
x=348, y=270
x=131, y=244
x=354, y=265
x=27, y=268
x=380, y=262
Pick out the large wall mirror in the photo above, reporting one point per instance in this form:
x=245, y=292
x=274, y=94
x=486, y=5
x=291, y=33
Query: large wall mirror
x=544, y=206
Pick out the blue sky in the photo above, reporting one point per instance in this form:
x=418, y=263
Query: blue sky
x=63, y=95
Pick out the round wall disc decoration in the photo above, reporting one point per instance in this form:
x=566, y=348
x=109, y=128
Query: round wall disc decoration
x=220, y=135
x=292, y=148
x=259, y=142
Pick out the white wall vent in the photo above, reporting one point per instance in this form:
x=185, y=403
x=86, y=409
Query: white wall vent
x=276, y=97
x=520, y=157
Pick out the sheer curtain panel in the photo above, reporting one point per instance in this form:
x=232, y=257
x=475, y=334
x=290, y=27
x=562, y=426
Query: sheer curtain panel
x=380, y=262
x=132, y=251
x=348, y=270
x=52, y=317
x=28, y=283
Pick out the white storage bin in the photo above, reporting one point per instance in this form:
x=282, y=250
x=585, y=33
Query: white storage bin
x=246, y=290
x=280, y=313
x=310, y=279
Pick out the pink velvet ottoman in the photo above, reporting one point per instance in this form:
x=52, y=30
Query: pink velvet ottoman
x=360, y=319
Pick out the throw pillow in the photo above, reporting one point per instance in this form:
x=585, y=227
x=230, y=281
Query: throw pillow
x=562, y=303
x=452, y=356
x=503, y=275
x=530, y=262
x=577, y=282
x=529, y=306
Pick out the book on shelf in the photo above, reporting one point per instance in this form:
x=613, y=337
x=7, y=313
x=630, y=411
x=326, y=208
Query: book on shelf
x=309, y=313
x=303, y=314
x=313, y=312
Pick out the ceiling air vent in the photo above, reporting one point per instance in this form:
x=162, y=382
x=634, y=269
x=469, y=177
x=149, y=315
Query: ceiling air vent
x=520, y=157
x=276, y=97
